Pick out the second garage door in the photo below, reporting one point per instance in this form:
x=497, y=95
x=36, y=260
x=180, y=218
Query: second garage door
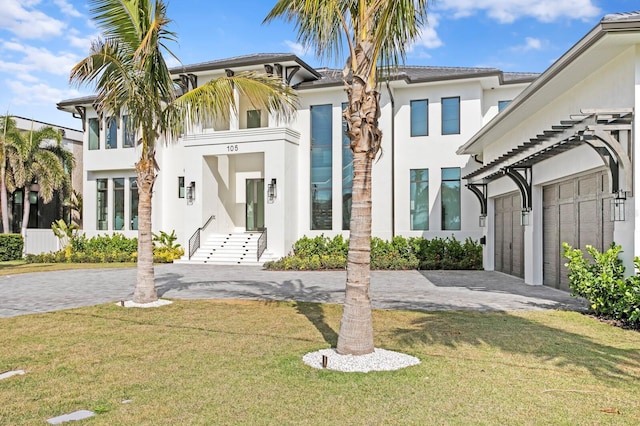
x=576, y=211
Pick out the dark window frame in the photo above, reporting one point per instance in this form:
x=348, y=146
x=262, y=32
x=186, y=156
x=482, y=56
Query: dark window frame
x=445, y=119
x=413, y=116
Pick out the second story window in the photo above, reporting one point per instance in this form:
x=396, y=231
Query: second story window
x=451, y=116
x=112, y=133
x=129, y=134
x=420, y=118
x=94, y=134
x=253, y=119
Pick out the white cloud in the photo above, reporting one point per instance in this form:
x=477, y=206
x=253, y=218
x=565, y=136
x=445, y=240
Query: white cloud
x=38, y=94
x=296, y=48
x=20, y=18
x=507, y=11
x=67, y=8
x=428, y=35
x=36, y=59
x=83, y=43
x=531, y=43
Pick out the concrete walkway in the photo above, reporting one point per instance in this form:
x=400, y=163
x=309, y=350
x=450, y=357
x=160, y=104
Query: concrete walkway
x=416, y=290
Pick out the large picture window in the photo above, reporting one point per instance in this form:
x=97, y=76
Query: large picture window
x=420, y=118
x=450, y=193
x=347, y=174
x=94, y=134
x=451, y=116
x=112, y=133
x=419, y=209
x=321, y=167
x=101, y=204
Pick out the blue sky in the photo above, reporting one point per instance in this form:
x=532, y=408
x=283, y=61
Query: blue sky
x=40, y=40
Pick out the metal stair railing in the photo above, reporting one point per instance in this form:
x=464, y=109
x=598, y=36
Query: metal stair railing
x=194, y=241
x=262, y=243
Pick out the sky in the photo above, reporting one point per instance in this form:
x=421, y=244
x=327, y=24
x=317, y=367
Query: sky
x=41, y=40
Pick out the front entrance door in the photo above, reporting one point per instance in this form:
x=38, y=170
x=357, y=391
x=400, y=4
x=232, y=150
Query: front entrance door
x=255, y=205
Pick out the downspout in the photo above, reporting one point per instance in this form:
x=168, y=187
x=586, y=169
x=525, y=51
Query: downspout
x=393, y=162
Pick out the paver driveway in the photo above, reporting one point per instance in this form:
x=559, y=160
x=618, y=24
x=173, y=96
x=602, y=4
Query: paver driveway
x=419, y=290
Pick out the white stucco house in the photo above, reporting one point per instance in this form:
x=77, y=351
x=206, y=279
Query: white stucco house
x=253, y=176
x=559, y=163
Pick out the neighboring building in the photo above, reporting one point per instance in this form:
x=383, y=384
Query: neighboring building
x=563, y=156
x=253, y=173
x=41, y=214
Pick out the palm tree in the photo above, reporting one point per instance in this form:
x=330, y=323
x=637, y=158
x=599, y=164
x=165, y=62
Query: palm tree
x=30, y=159
x=130, y=74
x=377, y=34
x=7, y=127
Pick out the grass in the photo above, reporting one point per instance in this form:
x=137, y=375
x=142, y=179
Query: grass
x=214, y=362
x=13, y=267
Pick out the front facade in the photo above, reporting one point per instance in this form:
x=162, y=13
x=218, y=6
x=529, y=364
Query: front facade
x=558, y=165
x=255, y=175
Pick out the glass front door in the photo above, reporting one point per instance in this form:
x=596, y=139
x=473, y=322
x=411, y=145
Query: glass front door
x=255, y=205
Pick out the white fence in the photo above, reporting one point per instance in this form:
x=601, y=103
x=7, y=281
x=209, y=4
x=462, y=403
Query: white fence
x=40, y=241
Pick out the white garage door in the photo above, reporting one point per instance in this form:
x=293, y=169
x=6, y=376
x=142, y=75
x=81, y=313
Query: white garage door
x=576, y=211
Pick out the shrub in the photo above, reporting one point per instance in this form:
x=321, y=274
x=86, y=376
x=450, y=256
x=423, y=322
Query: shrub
x=400, y=253
x=11, y=246
x=601, y=281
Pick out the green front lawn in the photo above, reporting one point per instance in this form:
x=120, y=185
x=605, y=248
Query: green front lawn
x=13, y=267
x=214, y=362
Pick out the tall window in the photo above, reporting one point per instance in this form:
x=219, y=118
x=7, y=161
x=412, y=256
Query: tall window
x=419, y=209
x=129, y=135
x=420, y=118
x=101, y=204
x=253, y=119
x=347, y=174
x=118, y=204
x=133, y=204
x=451, y=116
x=450, y=193
x=321, y=167
x=112, y=133
x=94, y=133
x=502, y=105
x=180, y=186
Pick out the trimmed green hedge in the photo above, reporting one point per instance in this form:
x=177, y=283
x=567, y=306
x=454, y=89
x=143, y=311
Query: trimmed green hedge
x=106, y=249
x=11, y=246
x=322, y=252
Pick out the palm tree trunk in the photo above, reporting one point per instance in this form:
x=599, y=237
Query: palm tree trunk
x=26, y=208
x=145, y=290
x=356, y=326
x=4, y=203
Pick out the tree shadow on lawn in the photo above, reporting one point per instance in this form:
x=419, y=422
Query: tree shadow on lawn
x=306, y=297
x=516, y=335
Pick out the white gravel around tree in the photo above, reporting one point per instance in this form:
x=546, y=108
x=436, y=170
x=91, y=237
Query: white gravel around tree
x=379, y=360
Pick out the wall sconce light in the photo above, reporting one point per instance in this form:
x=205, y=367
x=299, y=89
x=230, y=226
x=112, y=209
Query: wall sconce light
x=191, y=192
x=482, y=220
x=525, y=217
x=272, y=191
x=617, y=206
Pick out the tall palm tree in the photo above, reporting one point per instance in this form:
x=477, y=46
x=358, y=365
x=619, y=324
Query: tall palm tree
x=377, y=34
x=30, y=159
x=130, y=74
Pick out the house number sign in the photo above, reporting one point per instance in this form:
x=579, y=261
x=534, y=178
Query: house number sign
x=232, y=148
